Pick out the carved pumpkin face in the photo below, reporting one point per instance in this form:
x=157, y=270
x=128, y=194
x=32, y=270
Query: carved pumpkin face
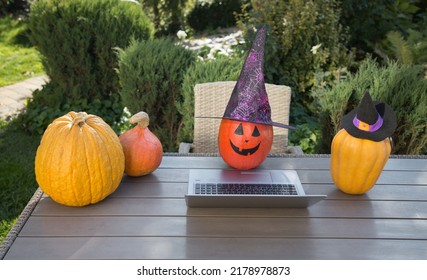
x=244, y=145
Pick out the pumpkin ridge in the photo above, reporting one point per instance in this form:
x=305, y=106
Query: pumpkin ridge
x=87, y=140
x=49, y=160
x=103, y=144
x=341, y=137
x=62, y=159
x=113, y=158
x=107, y=142
x=66, y=161
x=363, y=165
x=97, y=137
x=374, y=166
x=73, y=195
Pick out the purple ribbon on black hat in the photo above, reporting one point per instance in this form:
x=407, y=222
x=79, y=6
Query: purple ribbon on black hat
x=370, y=120
x=249, y=101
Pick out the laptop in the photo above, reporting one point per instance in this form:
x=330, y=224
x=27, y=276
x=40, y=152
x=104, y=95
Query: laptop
x=247, y=189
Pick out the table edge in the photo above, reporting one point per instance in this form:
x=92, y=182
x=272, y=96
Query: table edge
x=17, y=227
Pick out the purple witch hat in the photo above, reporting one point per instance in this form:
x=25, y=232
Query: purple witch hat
x=249, y=101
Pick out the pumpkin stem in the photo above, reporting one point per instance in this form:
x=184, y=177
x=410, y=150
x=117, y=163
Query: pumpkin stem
x=141, y=119
x=80, y=118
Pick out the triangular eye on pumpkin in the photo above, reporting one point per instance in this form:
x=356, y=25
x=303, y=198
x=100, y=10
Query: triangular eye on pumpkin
x=239, y=130
x=244, y=145
x=256, y=132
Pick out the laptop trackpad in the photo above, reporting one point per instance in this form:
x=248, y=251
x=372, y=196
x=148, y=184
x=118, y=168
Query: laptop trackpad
x=229, y=176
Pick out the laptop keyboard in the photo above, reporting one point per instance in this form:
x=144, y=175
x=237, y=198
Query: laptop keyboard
x=252, y=189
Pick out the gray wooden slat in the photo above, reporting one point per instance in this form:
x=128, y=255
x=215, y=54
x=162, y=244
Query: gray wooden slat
x=161, y=175
x=224, y=227
x=132, y=187
x=306, y=176
x=406, y=164
x=177, y=207
x=178, y=190
x=378, y=192
x=214, y=248
x=386, y=177
x=322, y=163
x=141, y=189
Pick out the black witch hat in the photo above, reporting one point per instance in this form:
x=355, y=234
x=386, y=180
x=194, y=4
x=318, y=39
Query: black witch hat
x=370, y=120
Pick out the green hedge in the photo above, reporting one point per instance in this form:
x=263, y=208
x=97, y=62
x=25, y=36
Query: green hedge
x=294, y=28
x=220, y=69
x=403, y=87
x=151, y=75
x=77, y=40
x=168, y=16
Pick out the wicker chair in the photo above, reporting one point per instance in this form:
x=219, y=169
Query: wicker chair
x=210, y=100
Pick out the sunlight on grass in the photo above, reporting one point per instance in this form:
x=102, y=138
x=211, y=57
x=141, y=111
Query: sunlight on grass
x=5, y=226
x=18, y=59
x=18, y=63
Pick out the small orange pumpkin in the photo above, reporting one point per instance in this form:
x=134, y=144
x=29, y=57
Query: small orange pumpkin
x=143, y=150
x=356, y=163
x=244, y=145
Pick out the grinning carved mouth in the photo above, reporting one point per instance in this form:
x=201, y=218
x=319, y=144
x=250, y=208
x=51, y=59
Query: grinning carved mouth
x=245, y=152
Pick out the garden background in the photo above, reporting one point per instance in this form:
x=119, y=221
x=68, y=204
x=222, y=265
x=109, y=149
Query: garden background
x=113, y=58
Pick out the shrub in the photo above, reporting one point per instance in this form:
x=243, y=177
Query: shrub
x=370, y=20
x=401, y=86
x=167, y=15
x=151, y=75
x=220, y=69
x=210, y=15
x=77, y=39
x=305, y=40
x=410, y=50
x=295, y=27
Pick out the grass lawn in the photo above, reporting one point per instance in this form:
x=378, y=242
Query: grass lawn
x=17, y=179
x=18, y=59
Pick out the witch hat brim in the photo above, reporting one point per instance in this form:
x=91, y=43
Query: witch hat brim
x=359, y=124
x=263, y=122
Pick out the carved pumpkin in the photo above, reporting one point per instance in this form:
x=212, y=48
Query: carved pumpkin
x=143, y=150
x=356, y=163
x=79, y=160
x=244, y=145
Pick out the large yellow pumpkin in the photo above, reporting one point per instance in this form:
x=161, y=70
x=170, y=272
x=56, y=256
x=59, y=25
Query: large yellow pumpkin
x=80, y=160
x=356, y=163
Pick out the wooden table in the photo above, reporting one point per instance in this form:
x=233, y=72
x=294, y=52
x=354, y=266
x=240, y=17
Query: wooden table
x=147, y=218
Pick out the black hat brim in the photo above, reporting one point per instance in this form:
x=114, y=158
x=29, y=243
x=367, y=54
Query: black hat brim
x=282, y=125
x=267, y=123
x=386, y=130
